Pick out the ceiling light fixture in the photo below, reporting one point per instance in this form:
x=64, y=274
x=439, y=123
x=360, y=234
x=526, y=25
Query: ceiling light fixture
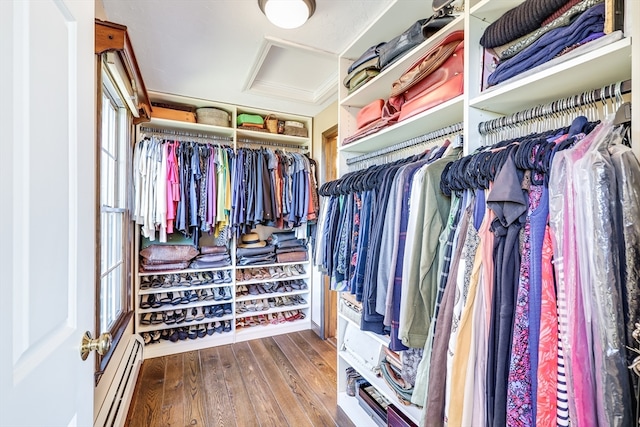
x=287, y=14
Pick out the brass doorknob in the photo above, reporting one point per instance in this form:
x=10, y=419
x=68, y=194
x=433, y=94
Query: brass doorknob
x=102, y=344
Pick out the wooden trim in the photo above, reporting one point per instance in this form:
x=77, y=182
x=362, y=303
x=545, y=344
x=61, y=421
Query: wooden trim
x=110, y=36
x=329, y=297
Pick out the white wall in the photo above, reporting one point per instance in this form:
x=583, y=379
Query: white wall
x=324, y=121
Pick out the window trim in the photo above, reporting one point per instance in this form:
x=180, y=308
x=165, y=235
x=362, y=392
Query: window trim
x=121, y=324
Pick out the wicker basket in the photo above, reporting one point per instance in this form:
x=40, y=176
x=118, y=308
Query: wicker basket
x=213, y=116
x=271, y=123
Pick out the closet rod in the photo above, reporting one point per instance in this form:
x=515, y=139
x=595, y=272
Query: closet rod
x=559, y=106
x=184, y=133
x=439, y=133
x=272, y=143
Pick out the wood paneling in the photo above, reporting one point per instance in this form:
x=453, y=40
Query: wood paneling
x=288, y=380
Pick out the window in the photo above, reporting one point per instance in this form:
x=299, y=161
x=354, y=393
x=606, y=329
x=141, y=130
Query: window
x=113, y=305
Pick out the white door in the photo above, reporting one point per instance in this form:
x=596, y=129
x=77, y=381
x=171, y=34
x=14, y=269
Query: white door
x=47, y=211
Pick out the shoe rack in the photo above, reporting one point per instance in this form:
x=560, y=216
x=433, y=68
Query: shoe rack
x=178, y=311
x=192, y=309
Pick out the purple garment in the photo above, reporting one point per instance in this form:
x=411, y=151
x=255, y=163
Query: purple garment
x=538, y=226
x=519, y=390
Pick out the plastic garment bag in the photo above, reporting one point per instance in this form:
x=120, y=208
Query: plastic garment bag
x=627, y=170
x=599, y=242
x=568, y=278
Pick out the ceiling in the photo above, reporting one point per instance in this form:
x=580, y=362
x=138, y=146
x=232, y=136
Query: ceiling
x=227, y=51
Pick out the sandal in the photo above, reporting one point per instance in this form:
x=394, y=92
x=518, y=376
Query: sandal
x=210, y=329
x=281, y=318
x=227, y=326
x=262, y=320
x=168, y=317
x=145, y=319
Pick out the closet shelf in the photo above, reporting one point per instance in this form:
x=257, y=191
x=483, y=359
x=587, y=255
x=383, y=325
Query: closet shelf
x=382, y=339
x=168, y=347
x=259, y=331
x=190, y=127
x=277, y=264
x=271, y=137
x=272, y=310
x=397, y=18
x=169, y=307
x=440, y=116
x=271, y=295
x=162, y=326
x=188, y=270
x=490, y=10
x=380, y=86
x=279, y=279
x=379, y=383
x=182, y=288
x=612, y=61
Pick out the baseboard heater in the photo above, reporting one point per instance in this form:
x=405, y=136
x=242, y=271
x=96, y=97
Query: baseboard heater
x=113, y=412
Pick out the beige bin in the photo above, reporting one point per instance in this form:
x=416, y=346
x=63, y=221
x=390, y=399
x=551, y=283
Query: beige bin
x=213, y=116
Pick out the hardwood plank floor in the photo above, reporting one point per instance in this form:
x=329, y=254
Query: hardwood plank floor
x=287, y=380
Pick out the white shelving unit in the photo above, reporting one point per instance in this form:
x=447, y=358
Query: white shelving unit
x=593, y=69
x=237, y=138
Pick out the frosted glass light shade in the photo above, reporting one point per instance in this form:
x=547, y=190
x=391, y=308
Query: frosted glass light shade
x=287, y=14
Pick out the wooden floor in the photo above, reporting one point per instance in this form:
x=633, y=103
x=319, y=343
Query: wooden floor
x=286, y=380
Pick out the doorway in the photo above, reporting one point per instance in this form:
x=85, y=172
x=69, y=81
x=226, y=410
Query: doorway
x=330, y=298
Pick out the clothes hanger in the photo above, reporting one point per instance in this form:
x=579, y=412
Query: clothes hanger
x=623, y=112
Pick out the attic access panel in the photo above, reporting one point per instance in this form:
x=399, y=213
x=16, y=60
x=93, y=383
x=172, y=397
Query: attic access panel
x=288, y=70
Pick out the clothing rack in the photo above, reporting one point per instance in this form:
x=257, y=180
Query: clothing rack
x=271, y=143
x=185, y=134
x=590, y=97
x=436, y=134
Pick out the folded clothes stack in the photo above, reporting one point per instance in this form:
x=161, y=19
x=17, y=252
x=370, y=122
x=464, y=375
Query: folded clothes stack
x=162, y=257
x=254, y=251
x=288, y=248
x=212, y=257
x=537, y=31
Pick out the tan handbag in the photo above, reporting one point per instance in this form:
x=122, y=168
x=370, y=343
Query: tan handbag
x=271, y=123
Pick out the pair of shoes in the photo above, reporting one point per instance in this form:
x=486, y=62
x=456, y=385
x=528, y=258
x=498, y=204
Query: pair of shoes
x=150, y=302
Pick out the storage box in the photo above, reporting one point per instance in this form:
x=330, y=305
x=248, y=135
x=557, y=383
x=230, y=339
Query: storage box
x=295, y=131
x=373, y=403
x=213, y=116
x=172, y=114
x=397, y=418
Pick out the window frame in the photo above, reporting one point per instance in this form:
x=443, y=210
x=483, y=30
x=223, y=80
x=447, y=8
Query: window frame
x=126, y=132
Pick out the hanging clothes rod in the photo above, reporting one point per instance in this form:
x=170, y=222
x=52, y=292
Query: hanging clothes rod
x=272, y=144
x=555, y=107
x=185, y=133
x=436, y=134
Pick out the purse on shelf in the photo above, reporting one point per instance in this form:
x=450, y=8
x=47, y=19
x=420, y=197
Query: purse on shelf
x=418, y=32
x=369, y=113
x=271, y=123
x=168, y=253
x=434, y=78
x=250, y=120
